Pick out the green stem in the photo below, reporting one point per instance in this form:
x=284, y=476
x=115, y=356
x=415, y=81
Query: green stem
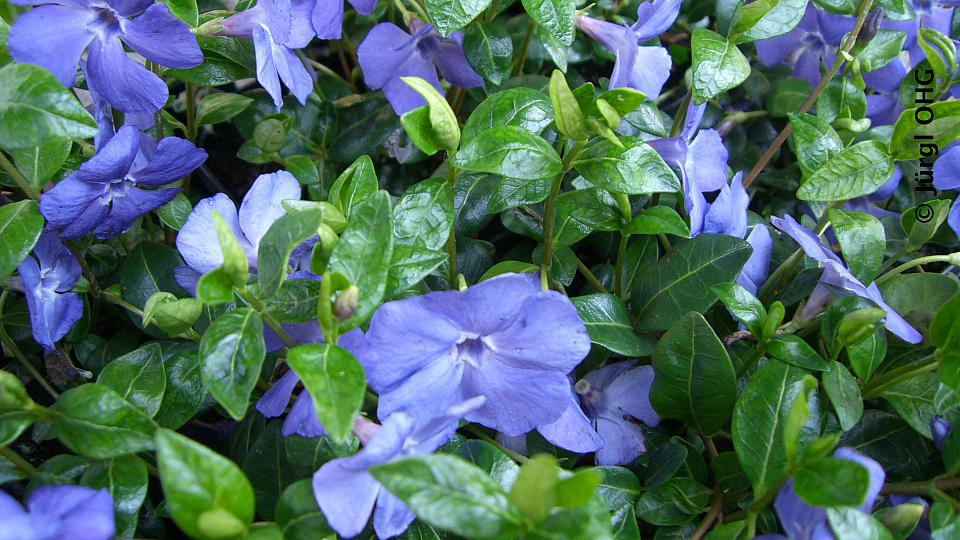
x=922, y=487
x=550, y=208
x=879, y=384
x=18, y=461
x=862, y=12
x=258, y=306
x=591, y=279
x=681, y=114
x=524, y=47
x=157, y=118
x=116, y=300
x=917, y=262
x=21, y=181
x=329, y=72
x=513, y=455
x=893, y=260
x=492, y=11
x=452, y=237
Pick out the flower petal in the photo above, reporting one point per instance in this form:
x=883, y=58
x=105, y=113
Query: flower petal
x=302, y=419
x=113, y=160
x=261, y=205
x=754, y=272
x=266, y=69
x=655, y=18
x=301, y=28
x=514, y=406
x=73, y=207
x=86, y=513
x=124, y=210
x=53, y=37
x=174, y=159
x=274, y=400
x=403, y=98
x=798, y=518
x=877, y=475
x=630, y=393
x=129, y=8
x=125, y=85
x=489, y=306
x=426, y=393
x=363, y=7
x=161, y=37
x=346, y=496
x=187, y=278
x=623, y=441
x=572, y=431
x=385, y=49
x=197, y=240
x=327, y=18
x=450, y=59
x=292, y=72
x=946, y=170
x=391, y=517
x=706, y=164
x=648, y=68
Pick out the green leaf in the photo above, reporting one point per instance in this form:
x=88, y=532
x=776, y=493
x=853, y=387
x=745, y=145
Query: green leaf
x=568, y=113
x=717, y=65
x=424, y=214
x=921, y=222
x=941, y=128
x=658, y=220
x=769, y=19
x=608, y=324
x=618, y=487
x=488, y=457
x=20, y=228
x=232, y=351
x=793, y=350
x=816, y=141
x=174, y=214
x=450, y=15
x=535, y=491
x=235, y=264
x=555, y=16
x=125, y=478
x=674, y=502
x=267, y=468
x=841, y=100
x=444, y=131
x=862, y=241
x=743, y=305
x=856, y=171
x=354, y=185
x=185, y=394
x=787, y=96
x=286, y=233
x=489, y=50
x=694, y=379
x=97, y=422
x=945, y=325
x=832, y=482
x=556, y=50
x=853, y=524
x=35, y=107
x=514, y=192
x=417, y=124
x=363, y=252
x=918, y=297
x=451, y=494
x=200, y=484
x=518, y=107
x=940, y=51
x=217, y=108
x=138, y=377
x=410, y=264
x=844, y=394
x=173, y=315
x=509, y=151
x=365, y=122
x=759, y=420
x=299, y=515
x=336, y=382
x=186, y=10
x=39, y=163
x=913, y=399
x=668, y=289
x=635, y=169
x=884, y=47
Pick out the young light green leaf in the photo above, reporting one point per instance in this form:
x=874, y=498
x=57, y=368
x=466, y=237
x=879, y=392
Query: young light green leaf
x=793, y=350
x=569, y=116
x=509, y=151
x=766, y=19
x=39, y=163
x=286, y=233
x=354, y=185
x=743, y=305
x=445, y=131
x=920, y=131
x=232, y=350
x=423, y=216
x=718, y=65
x=216, y=108
x=335, y=381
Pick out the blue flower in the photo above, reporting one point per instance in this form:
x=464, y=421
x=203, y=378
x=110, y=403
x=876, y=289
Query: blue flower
x=425, y=353
x=347, y=492
x=302, y=419
x=727, y=214
x=702, y=161
x=614, y=398
x=47, y=278
x=940, y=428
x=55, y=512
x=812, y=41
x=804, y=522
x=644, y=69
x=104, y=194
x=388, y=53
x=55, y=34
x=277, y=27
x=836, y=274
x=946, y=175
x=327, y=15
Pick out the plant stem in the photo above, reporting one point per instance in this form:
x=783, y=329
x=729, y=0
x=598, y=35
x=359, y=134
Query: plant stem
x=862, y=12
x=524, y=47
x=550, y=209
x=116, y=300
x=713, y=512
x=618, y=268
x=21, y=181
x=893, y=260
x=258, y=306
x=18, y=461
x=452, y=237
x=513, y=455
x=681, y=114
x=922, y=487
x=591, y=279
x=877, y=385
x=915, y=262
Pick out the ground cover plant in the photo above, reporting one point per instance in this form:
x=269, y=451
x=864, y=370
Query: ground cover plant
x=541, y=269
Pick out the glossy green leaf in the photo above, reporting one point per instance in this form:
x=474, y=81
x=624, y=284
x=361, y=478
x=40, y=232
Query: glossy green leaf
x=668, y=289
x=35, y=107
x=921, y=222
x=489, y=50
x=185, y=394
x=844, y=394
x=450, y=15
x=769, y=19
x=841, y=100
x=673, y=502
x=39, y=163
x=217, y=108
x=97, y=422
x=508, y=151
x=555, y=16
x=519, y=107
x=424, y=214
x=232, y=351
x=273, y=254
x=743, y=305
x=199, y=485
x=862, y=241
x=856, y=525
x=126, y=479
x=883, y=48
x=832, y=482
x=138, y=377
x=793, y=350
x=816, y=141
x=299, y=515
x=694, y=379
x=856, y=171
x=20, y=228
x=917, y=297
x=717, y=65
x=354, y=185
x=787, y=96
x=335, y=381
x=911, y=138
x=637, y=168
x=174, y=214
x=608, y=324
x=514, y=192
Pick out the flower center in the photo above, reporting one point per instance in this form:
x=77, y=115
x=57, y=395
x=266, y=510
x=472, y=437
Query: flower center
x=116, y=189
x=472, y=350
x=105, y=21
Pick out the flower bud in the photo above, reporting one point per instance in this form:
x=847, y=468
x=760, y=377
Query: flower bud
x=269, y=135
x=857, y=326
x=219, y=523
x=346, y=303
x=870, y=26
x=772, y=322
x=939, y=427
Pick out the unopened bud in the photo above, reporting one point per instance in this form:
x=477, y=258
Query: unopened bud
x=772, y=322
x=870, y=26
x=270, y=135
x=346, y=303
x=857, y=326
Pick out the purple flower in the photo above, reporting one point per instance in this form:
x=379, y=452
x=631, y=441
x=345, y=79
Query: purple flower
x=61, y=511
x=388, y=53
x=277, y=27
x=939, y=427
x=47, y=279
x=104, y=194
x=837, y=275
x=930, y=14
x=425, y=353
x=302, y=419
x=645, y=69
x=727, y=214
x=946, y=175
x=804, y=522
x=347, y=492
x=612, y=397
x=54, y=36
x=702, y=163
x=327, y=15
x=813, y=40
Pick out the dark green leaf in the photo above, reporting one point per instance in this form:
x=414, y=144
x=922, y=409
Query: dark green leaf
x=637, y=168
x=299, y=515
x=816, y=141
x=673, y=502
x=918, y=297
x=862, y=242
x=138, y=377
x=335, y=381
x=174, y=214
x=856, y=171
x=126, y=479
x=793, y=350
x=276, y=245
x=508, y=151
x=450, y=15
x=97, y=422
x=942, y=126
x=20, y=227
x=232, y=351
x=520, y=107
x=39, y=163
x=489, y=50
x=717, y=65
x=555, y=16
x=775, y=18
x=787, y=96
x=608, y=324
x=423, y=216
x=216, y=108
x=844, y=394
x=514, y=192
x=832, y=482
x=658, y=220
x=35, y=107
x=185, y=393
x=743, y=305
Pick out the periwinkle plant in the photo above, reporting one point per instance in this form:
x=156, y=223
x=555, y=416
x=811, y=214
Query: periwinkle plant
x=427, y=268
